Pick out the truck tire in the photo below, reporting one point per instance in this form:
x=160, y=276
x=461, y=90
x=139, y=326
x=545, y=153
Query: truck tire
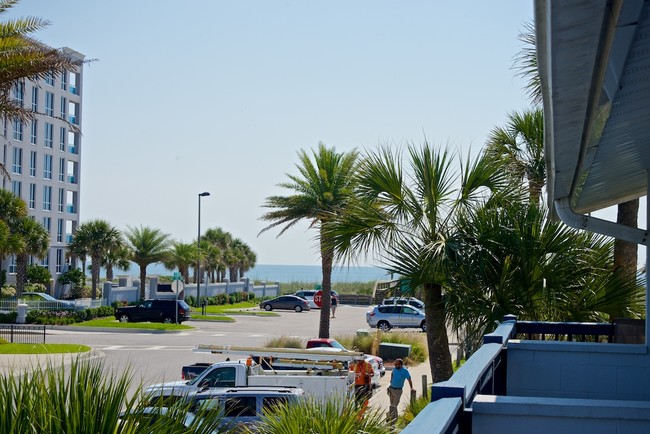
x=383, y=326
x=423, y=326
x=298, y=308
x=268, y=307
x=124, y=318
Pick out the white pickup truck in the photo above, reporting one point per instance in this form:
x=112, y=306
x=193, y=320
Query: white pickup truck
x=315, y=383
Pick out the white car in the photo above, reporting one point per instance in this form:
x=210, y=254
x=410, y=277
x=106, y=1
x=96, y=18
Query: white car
x=411, y=301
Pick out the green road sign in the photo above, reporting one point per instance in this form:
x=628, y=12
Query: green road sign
x=317, y=287
x=177, y=276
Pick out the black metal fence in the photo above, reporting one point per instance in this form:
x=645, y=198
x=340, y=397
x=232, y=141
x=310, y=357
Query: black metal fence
x=23, y=334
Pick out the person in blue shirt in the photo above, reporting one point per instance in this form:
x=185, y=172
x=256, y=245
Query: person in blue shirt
x=397, y=379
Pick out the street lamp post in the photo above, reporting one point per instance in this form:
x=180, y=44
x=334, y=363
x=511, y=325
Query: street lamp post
x=198, y=254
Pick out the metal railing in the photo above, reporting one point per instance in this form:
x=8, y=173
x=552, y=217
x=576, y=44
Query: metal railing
x=23, y=334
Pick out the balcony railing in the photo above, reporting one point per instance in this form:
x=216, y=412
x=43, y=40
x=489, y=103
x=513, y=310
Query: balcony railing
x=72, y=179
x=70, y=209
x=485, y=372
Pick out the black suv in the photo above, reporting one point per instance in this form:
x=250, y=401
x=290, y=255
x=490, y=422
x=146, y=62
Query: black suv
x=154, y=310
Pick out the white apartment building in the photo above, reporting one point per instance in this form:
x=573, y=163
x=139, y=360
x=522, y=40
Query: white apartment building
x=43, y=158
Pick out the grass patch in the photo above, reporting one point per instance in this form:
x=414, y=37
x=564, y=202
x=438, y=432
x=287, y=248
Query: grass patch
x=285, y=342
x=113, y=323
x=368, y=345
x=42, y=348
x=221, y=308
x=216, y=318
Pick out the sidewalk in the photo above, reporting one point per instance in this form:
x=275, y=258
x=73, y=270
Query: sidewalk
x=379, y=400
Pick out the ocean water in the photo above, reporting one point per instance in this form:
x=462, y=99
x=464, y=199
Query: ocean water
x=308, y=274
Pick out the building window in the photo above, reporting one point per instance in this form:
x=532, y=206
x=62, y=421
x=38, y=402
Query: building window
x=45, y=262
x=12, y=264
x=16, y=187
x=18, y=129
x=61, y=199
x=33, y=136
x=49, y=103
x=47, y=224
x=19, y=93
x=49, y=79
x=59, y=260
x=64, y=103
x=32, y=163
x=47, y=198
x=62, y=169
x=17, y=166
x=63, y=136
x=47, y=166
x=59, y=231
x=35, y=99
x=49, y=135
x=32, y=196
x=64, y=80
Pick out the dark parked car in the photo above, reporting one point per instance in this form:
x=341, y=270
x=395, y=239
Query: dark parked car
x=154, y=311
x=290, y=302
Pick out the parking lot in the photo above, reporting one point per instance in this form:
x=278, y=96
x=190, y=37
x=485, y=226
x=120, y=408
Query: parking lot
x=159, y=356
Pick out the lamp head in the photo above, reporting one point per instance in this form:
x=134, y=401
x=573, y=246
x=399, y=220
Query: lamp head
x=205, y=193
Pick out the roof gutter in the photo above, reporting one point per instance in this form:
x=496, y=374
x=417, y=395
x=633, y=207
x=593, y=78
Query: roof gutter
x=599, y=226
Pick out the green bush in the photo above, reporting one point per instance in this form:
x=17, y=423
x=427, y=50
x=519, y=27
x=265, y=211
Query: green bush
x=8, y=318
x=64, y=317
x=8, y=291
x=38, y=274
x=3, y=341
x=285, y=342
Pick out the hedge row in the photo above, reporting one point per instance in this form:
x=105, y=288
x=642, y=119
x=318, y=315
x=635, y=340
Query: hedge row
x=63, y=317
x=223, y=299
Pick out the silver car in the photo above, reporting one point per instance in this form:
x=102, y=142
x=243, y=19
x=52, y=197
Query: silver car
x=385, y=317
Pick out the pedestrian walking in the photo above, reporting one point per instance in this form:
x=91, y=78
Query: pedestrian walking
x=333, y=304
x=363, y=374
x=397, y=379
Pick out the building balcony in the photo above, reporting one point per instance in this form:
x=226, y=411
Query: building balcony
x=73, y=149
x=74, y=90
x=70, y=209
x=547, y=377
x=73, y=120
x=68, y=238
x=72, y=179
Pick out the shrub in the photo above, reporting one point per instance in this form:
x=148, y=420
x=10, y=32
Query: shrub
x=285, y=342
x=8, y=291
x=38, y=274
x=8, y=318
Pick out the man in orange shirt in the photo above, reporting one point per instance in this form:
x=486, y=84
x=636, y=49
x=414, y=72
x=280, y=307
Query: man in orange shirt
x=363, y=374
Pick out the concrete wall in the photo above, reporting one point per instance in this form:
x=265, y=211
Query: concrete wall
x=578, y=370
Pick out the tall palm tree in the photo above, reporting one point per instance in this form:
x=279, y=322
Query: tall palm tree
x=78, y=248
x=181, y=256
x=36, y=241
x=323, y=189
x=221, y=240
x=625, y=252
x=213, y=261
x=148, y=246
x=250, y=259
x=117, y=256
x=99, y=238
x=404, y=216
x=520, y=147
x=23, y=57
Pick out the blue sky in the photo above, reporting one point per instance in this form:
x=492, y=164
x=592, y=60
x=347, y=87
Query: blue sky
x=219, y=96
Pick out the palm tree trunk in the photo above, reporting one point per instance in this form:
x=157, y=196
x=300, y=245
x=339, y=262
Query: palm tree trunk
x=437, y=341
x=21, y=273
x=327, y=257
x=109, y=272
x=94, y=276
x=625, y=252
x=143, y=277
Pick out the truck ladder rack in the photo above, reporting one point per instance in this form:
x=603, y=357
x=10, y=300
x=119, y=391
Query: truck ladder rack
x=294, y=354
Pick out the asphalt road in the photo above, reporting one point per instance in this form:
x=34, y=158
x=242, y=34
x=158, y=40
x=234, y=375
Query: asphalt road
x=154, y=357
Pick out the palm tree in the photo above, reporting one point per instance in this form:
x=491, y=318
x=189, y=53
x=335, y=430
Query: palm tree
x=249, y=261
x=78, y=248
x=512, y=259
x=23, y=57
x=12, y=209
x=322, y=192
x=36, y=241
x=148, y=246
x=117, y=256
x=404, y=216
x=221, y=240
x=520, y=147
x=181, y=256
x=625, y=252
x=99, y=238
